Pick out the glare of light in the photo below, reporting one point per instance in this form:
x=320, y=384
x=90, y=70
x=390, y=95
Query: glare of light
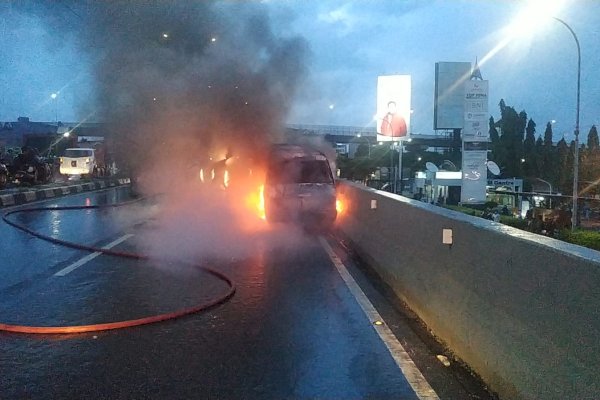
x=522, y=160
x=331, y=106
x=202, y=175
x=213, y=39
x=212, y=174
x=358, y=135
x=54, y=95
x=88, y=202
x=378, y=323
x=154, y=99
x=534, y=15
x=165, y=35
x=381, y=143
x=553, y=121
x=339, y=205
x=409, y=140
x=419, y=158
x=67, y=134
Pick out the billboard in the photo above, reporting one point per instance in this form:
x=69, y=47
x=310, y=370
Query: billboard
x=393, y=107
x=448, y=105
x=474, y=176
x=476, y=127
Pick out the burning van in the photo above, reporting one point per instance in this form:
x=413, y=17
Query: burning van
x=299, y=187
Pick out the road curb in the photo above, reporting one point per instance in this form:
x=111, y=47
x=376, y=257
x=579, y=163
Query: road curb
x=37, y=194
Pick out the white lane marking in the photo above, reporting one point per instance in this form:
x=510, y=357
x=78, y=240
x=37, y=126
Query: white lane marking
x=412, y=374
x=90, y=257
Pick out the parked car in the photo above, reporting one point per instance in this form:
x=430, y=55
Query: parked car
x=79, y=161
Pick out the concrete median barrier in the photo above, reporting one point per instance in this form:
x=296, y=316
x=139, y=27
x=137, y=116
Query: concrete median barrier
x=523, y=310
x=43, y=193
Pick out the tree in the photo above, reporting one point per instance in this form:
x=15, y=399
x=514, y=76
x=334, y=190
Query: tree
x=590, y=163
x=549, y=164
x=529, y=166
x=593, y=139
x=565, y=173
x=509, y=150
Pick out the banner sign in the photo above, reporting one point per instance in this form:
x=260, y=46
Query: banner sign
x=475, y=128
x=474, y=176
x=393, y=107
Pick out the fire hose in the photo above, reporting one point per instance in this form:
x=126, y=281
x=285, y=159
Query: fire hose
x=109, y=325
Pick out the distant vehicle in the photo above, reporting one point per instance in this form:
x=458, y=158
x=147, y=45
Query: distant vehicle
x=299, y=187
x=79, y=161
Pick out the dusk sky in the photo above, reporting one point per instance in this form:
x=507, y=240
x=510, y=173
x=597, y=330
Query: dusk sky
x=350, y=44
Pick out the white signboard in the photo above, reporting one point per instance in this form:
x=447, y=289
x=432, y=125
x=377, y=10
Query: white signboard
x=474, y=176
x=393, y=107
x=476, y=131
x=476, y=115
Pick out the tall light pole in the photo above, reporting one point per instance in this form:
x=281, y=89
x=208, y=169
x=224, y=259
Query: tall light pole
x=54, y=97
x=400, y=160
x=576, y=155
x=391, y=182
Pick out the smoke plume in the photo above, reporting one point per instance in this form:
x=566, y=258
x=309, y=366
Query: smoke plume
x=179, y=81
x=181, y=85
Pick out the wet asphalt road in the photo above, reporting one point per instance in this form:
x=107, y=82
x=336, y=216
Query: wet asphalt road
x=292, y=330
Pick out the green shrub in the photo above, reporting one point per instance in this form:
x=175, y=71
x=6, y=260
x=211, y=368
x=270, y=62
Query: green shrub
x=590, y=239
x=514, y=222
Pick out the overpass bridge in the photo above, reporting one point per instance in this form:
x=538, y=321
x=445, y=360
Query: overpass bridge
x=337, y=134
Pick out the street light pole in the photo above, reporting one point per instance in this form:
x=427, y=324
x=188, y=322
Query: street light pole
x=576, y=155
x=549, y=190
x=54, y=97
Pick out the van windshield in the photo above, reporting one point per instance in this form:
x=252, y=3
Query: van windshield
x=301, y=171
x=75, y=153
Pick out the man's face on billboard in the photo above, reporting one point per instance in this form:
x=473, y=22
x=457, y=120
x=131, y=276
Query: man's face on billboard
x=391, y=107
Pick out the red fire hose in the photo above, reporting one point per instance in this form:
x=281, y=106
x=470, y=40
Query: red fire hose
x=110, y=325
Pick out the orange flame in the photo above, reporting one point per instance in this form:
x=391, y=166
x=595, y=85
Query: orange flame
x=339, y=205
x=255, y=201
x=261, y=202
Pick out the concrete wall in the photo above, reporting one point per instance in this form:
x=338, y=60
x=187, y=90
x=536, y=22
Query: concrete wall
x=521, y=309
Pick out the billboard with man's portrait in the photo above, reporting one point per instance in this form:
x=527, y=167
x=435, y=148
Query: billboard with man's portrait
x=393, y=107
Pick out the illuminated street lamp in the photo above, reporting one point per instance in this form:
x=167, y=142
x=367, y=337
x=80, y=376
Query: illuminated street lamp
x=523, y=23
x=576, y=155
x=54, y=96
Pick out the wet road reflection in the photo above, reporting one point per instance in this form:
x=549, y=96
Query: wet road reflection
x=293, y=330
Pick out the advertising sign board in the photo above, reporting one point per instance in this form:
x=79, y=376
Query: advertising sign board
x=448, y=105
x=393, y=107
x=474, y=176
x=476, y=116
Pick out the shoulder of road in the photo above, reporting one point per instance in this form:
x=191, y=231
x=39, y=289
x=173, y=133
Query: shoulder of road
x=22, y=195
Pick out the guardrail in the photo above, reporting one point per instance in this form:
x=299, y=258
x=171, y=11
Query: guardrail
x=523, y=310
